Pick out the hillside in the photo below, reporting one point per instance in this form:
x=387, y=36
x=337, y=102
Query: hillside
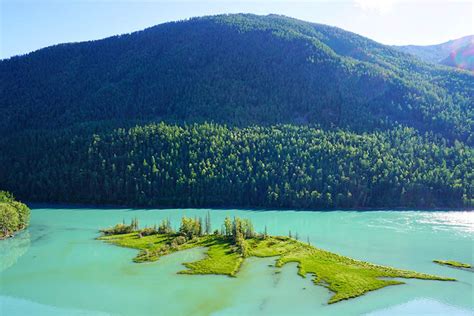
x=236, y=110
x=209, y=165
x=239, y=70
x=462, y=57
x=436, y=54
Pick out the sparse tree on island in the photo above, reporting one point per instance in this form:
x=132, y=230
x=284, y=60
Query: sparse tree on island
x=247, y=228
x=207, y=223
x=228, y=226
x=200, y=227
x=190, y=228
x=240, y=244
x=236, y=228
x=165, y=227
x=134, y=224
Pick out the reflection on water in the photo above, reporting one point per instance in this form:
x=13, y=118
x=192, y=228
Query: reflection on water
x=13, y=248
x=461, y=221
x=457, y=222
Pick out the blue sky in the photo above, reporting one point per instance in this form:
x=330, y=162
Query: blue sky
x=27, y=25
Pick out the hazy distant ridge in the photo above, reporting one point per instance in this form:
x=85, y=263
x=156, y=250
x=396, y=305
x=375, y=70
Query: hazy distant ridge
x=446, y=53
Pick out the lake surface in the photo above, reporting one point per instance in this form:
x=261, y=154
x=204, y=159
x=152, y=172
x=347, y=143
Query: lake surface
x=57, y=267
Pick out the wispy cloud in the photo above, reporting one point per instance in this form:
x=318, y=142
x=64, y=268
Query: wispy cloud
x=385, y=6
x=380, y=6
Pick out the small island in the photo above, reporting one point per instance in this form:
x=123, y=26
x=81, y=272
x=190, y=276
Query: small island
x=454, y=264
x=14, y=215
x=228, y=247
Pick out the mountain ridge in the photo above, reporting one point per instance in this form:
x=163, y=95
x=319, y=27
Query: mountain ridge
x=445, y=53
x=240, y=69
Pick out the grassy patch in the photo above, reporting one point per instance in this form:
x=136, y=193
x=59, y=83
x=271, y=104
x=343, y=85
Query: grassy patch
x=220, y=259
x=452, y=263
x=345, y=277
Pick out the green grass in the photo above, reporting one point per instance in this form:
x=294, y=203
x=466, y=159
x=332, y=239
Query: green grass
x=220, y=259
x=453, y=264
x=346, y=278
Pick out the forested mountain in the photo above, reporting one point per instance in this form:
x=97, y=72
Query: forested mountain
x=236, y=110
x=462, y=57
x=236, y=69
x=456, y=53
x=214, y=165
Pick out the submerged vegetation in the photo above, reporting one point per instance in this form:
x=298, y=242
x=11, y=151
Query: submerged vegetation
x=14, y=215
x=228, y=247
x=453, y=263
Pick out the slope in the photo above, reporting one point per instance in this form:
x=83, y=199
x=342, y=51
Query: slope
x=239, y=70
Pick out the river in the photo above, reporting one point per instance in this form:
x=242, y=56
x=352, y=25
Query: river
x=56, y=267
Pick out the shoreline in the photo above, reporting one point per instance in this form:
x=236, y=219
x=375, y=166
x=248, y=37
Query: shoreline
x=59, y=205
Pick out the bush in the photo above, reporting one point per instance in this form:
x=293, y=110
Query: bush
x=165, y=227
x=148, y=231
x=179, y=240
x=23, y=214
x=190, y=228
x=118, y=229
x=14, y=215
x=9, y=219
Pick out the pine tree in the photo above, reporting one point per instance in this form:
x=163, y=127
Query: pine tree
x=228, y=226
x=208, y=223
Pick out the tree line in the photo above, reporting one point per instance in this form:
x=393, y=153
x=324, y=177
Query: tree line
x=234, y=230
x=212, y=165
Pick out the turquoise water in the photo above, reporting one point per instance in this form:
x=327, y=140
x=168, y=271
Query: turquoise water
x=57, y=268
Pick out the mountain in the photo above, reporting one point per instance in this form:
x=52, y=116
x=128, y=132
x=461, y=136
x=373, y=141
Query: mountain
x=456, y=53
x=236, y=110
x=239, y=70
x=462, y=57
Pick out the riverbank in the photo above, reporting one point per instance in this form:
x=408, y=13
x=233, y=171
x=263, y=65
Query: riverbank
x=78, y=206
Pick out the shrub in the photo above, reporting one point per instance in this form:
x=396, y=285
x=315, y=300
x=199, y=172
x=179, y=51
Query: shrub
x=13, y=215
x=23, y=214
x=148, y=231
x=190, y=228
x=9, y=219
x=165, y=227
x=117, y=229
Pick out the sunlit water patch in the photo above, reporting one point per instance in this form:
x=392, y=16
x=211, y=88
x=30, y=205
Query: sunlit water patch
x=459, y=222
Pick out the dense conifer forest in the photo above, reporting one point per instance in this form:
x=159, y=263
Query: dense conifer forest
x=236, y=69
x=285, y=166
x=236, y=110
